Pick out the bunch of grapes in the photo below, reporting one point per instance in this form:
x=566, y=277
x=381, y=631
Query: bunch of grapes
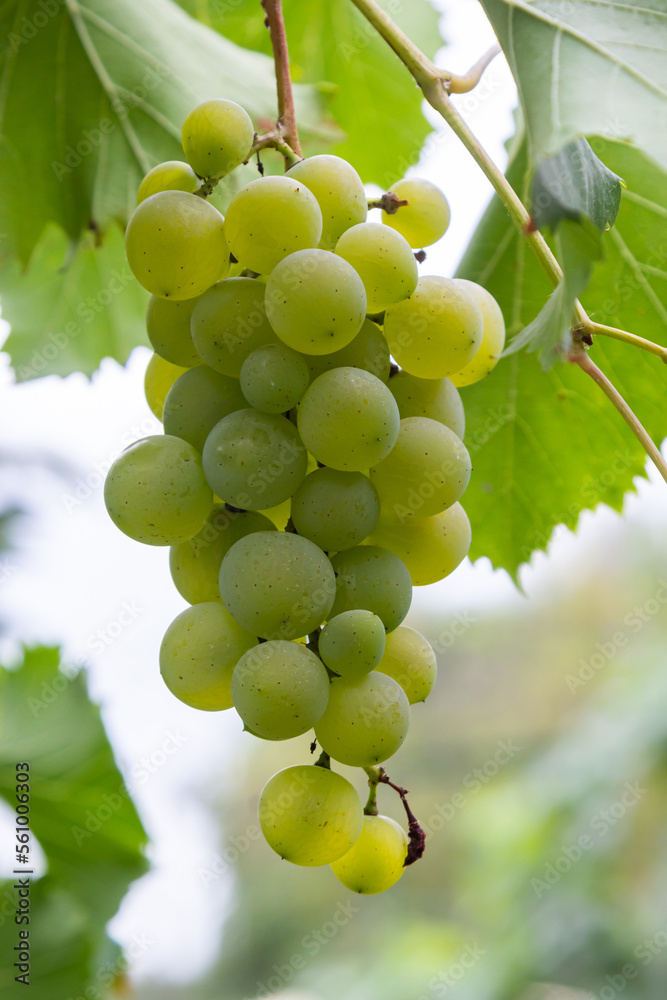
x=304, y=482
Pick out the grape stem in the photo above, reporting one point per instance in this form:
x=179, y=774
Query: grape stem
x=416, y=835
x=286, y=125
x=389, y=203
x=581, y=358
x=324, y=760
x=436, y=86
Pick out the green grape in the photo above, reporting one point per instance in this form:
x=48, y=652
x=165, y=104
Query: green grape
x=280, y=689
x=336, y=510
x=348, y=419
x=425, y=219
x=199, y=651
x=159, y=377
x=351, y=644
x=270, y=218
x=168, y=328
x=274, y=378
x=366, y=719
x=277, y=585
x=384, y=262
x=156, y=492
x=375, y=579
x=429, y=397
x=427, y=470
x=376, y=861
x=430, y=547
x=195, y=564
x=315, y=301
x=368, y=350
x=493, y=335
x=254, y=460
x=217, y=136
x=437, y=331
x=229, y=323
x=196, y=402
x=339, y=192
x=309, y=815
x=175, y=245
x=173, y=175
x=410, y=660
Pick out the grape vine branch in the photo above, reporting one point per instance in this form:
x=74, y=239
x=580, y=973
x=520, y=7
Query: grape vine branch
x=437, y=85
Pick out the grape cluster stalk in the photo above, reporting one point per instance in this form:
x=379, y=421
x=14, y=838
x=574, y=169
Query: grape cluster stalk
x=311, y=466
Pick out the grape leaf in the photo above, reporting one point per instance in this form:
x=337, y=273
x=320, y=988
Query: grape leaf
x=574, y=184
x=94, y=93
x=547, y=446
x=82, y=818
x=594, y=68
x=372, y=95
x=67, y=318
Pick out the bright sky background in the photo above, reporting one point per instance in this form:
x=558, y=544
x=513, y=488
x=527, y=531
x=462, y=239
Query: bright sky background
x=77, y=581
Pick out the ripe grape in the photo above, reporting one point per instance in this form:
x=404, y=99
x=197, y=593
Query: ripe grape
x=277, y=585
x=376, y=861
x=425, y=218
x=339, y=192
x=229, y=322
x=168, y=328
x=254, y=460
x=368, y=350
x=172, y=175
x=156, y=492
x=430, y=547
x=384, y=262
x=197, y=400
x=410, y=660
x=493, y=335
x=427, y=470
x=199, y=651
x=429, y=397
x=375, y=579
x=280, y=689
x=195, y=564
x=270, y=218
x=348, y=419
x=175, y=245
x=217, y=136
x=159, y=377
x=352, y=644
x=274, y=378
x=309, y=815
x=366, y=719
x=336, y=510
x=315, y=301
x=435, y=332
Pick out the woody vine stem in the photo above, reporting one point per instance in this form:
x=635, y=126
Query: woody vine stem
x=437, y=85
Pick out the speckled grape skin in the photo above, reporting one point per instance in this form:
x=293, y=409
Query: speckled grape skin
x=384, y=262
x=375, y=579
x=339, y=192
x=436, y=398
x=366, y=720
x=198, y=653
x=274, y=378
x=315, y=301
x=280, y=689
x=336, y=510
x=352, y=643
x=368, y=351
x=347, y=417
x=216, y=137
x=277, y=585
x=197, y=400
x=430, y=547
x=254, y=460
x=435, y=332
x=410, y=659
x=229, y=322
x=175, y=245
x=309, y=815
x=156, y=491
